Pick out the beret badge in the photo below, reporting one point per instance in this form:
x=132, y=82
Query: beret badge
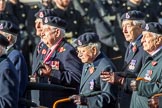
x=1, y=26
x=46, y=20
x=79, y=42
x=147, y=27
x=41, y=15
x=127, y=16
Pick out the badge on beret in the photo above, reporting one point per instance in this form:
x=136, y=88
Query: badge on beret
x=127, y=16
x=79, y=42
x=92, y=83
x=46, y=20
x=147, y=27
x=41, y=15
x=1, y=26
x=148, y=75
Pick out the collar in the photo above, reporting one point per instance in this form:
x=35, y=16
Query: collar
x=156, y=51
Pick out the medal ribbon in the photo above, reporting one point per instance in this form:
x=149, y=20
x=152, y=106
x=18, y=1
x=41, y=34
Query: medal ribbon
x=51, y=51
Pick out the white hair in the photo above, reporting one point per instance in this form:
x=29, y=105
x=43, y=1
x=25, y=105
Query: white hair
x=139, y=22
x=97, y=45
x=3, y=50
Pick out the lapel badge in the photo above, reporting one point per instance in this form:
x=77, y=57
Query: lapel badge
x=148, y=75
x=154, y=63
x=91, y=69
x=55, y=65
x=61, y=49
x=132, y=64
x=91, y=87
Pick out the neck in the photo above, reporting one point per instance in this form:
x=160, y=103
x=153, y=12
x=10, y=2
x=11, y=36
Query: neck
x=61, y=7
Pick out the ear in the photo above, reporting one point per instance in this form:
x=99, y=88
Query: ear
x=58, y=32
x=9, y=38
x=94, y=50
x=159, y=40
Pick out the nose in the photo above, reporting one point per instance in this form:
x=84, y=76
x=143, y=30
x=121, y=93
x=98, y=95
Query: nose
x=125, y=29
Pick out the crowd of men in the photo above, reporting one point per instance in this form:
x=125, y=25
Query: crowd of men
x=103, y=53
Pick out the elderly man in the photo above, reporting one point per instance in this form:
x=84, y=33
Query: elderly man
x=60, y=65
x=94, y=93
x=148, y=82
x=132, y=22
x=10, y=31
x=9, y=84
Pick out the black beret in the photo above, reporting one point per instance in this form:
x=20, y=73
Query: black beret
x=3, y=41
x=9, y=27
x=154, y=27
x=55, y=21
x=133, y=15
x=86, y=38
x=45, y=13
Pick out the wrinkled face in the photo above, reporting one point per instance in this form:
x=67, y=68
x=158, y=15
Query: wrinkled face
x=2, y=5
x=50, y=35
x=38, y=26
x=149, y=42
x=63, y=3
x=130, y=31
x=86, y=54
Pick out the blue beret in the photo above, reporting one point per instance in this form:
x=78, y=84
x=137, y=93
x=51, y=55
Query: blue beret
x=3, y=41
x=55, y=21
x=45, y=13
x=154, y=27
x=86, y=38
x=9, y=27
x=133, y=15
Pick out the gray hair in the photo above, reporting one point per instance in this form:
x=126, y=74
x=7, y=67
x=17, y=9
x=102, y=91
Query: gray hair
x=3, y=48
x=97, y=45
x=14, y=37
x=139, y=22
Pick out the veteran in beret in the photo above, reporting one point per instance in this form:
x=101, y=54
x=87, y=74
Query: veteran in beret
x=94, y=93
x=132, y=22
x=60, y=65
x=148, y=82
x=41, y=48
x=10, y=31
x=9, y=82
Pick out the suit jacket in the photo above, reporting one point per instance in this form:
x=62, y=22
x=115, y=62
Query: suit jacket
x=9, y=84
x=66, y=71
x=21, y=67
x=38, y=56
x=134, y=60
x=91, y=83
x=151, y=71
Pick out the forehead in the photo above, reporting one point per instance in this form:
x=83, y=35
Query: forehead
x=125, y=22
x=82, y=48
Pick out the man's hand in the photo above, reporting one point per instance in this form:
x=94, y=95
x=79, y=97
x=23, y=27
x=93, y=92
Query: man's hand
x=154, y=102
x=112, y=78
x=76, y=99
x=46, y=70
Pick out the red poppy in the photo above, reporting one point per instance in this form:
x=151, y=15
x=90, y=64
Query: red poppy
x=61, y=49
x=154, y=63
x=134, y=48
x=91, y=69
x=44, y=51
